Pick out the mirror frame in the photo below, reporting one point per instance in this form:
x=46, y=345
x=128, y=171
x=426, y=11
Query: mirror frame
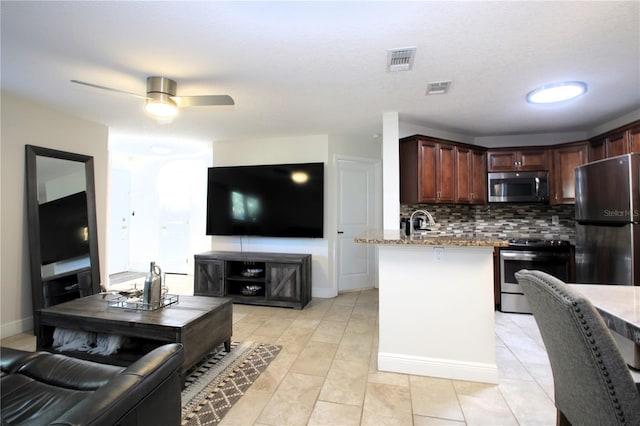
x=33, y=217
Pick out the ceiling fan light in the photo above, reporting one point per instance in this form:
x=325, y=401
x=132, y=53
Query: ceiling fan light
x=161, y=105
x=557, y=92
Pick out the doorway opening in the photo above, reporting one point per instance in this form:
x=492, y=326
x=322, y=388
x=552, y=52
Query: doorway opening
x=157, y=206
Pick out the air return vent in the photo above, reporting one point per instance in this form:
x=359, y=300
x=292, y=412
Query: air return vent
x=400, y=59
x=438, y=87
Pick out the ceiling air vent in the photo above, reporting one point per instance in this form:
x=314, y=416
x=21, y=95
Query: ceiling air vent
x=438, y=87
x=400, y=59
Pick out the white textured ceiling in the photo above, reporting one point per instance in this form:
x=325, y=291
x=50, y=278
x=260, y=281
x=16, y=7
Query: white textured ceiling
x=302, y=68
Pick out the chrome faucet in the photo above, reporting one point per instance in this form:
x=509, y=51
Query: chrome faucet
x=423, y=228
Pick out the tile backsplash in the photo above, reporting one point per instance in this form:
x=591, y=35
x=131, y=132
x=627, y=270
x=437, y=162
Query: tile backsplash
x=501, y=220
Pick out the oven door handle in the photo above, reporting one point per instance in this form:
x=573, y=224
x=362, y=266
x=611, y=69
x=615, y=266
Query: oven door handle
x=527, y=255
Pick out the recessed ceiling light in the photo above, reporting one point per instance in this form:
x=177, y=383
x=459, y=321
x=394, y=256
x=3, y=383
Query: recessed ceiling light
x=557, y=92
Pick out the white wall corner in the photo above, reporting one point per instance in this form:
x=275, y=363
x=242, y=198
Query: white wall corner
x=390, y=171
x=324, y=292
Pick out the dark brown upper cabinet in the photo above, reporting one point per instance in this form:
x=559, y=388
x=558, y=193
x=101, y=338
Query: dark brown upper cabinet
x=518, y=159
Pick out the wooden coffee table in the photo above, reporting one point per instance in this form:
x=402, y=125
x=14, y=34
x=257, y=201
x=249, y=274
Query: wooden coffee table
x=199, y=323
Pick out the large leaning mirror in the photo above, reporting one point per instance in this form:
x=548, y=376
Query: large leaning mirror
x=63, y=241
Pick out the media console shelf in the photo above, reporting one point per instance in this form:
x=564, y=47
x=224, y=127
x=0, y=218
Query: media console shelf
x=67, y=286
x=271, y=279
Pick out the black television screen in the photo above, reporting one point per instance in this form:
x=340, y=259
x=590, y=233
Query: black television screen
x=64, y=228
x=279, y=200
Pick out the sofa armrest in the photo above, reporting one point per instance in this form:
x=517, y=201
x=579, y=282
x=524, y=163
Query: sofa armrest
x=147, y=392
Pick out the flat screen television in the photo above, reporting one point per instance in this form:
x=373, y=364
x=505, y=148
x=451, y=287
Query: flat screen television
x=64, y=228
x=277, y=200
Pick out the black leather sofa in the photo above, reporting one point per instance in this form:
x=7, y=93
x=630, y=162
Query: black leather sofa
x=40, y=388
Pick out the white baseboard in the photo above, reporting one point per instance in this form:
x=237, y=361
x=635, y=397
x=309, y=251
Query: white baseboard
x=16, y=327
x=441, y=368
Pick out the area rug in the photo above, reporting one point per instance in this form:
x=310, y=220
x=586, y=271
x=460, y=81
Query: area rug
x=221, y=380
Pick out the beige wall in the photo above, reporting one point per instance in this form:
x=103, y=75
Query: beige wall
x=25, y=123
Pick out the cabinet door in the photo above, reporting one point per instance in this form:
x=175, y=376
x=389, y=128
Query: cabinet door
x=463, y=175
x=597, y=150
x=501, y=161
x=427, y=172
x=209, y=278
x=435, y=172
x=525, y=159
x=634, y=139
x=446, y=164
x=478, y=177
x=565, y=161
x=533, y=159
x=283, y=281
x=616, y=144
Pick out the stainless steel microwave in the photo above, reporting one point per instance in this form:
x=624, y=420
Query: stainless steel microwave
x=518, y=187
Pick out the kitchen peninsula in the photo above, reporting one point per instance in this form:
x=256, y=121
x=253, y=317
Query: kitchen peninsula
x=436, y=309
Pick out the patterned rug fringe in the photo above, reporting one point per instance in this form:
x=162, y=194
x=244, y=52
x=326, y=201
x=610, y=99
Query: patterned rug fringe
x=221, y=380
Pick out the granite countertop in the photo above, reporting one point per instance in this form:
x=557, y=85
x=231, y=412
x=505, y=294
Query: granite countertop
x=432, y=238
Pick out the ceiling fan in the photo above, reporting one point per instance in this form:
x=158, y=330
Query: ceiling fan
x=161, y=99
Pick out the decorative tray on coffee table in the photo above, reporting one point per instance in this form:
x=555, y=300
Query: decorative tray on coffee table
x=136, y=303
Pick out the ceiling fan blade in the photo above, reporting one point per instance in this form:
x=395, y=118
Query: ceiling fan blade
x=205, y=100
x=96, y=86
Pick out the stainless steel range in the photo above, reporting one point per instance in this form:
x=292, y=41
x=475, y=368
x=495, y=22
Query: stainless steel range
x=550, y=256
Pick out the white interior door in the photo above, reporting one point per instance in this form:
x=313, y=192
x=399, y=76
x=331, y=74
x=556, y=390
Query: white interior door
x=119, y=223
x=356, y=182
x=174, y=241
x=176, y=190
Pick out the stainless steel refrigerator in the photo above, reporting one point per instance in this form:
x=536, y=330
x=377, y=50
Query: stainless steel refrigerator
x=608, y=221
x=608, y=229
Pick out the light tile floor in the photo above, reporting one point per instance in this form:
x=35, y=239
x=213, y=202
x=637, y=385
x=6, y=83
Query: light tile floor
x=326, y=372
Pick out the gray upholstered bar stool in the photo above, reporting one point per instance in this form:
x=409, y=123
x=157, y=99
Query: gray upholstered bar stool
x=593, y=385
